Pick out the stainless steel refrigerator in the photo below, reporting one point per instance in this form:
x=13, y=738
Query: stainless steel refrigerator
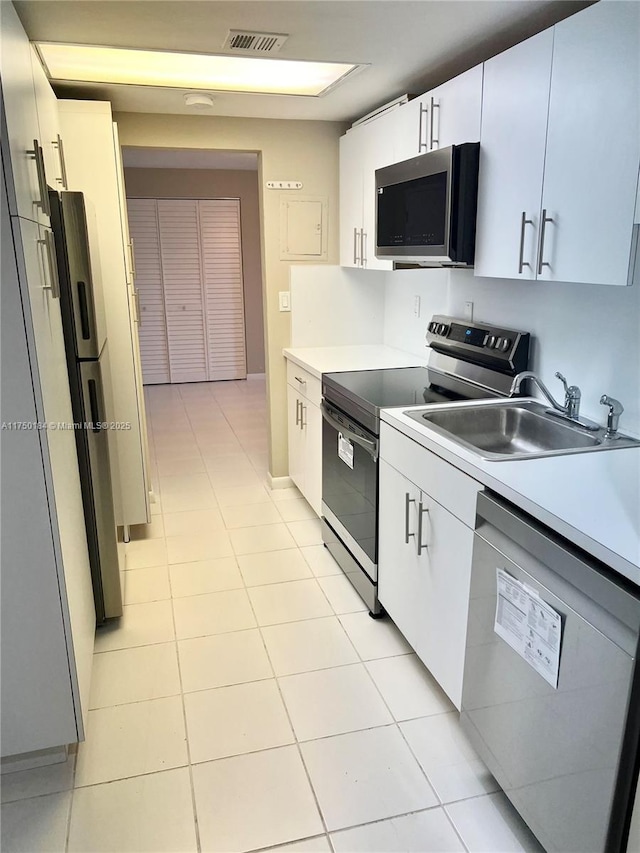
x=85, y=344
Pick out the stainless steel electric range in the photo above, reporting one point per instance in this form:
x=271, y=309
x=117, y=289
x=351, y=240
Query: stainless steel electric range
x=467, y=361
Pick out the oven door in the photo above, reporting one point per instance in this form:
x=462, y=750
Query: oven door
x=350, y=485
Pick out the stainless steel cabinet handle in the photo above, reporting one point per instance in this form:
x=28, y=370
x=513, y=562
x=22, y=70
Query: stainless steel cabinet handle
x=300, y=380
x=422, y=510
x=297, y=412
x=303, y=409
x=49, y=263
x=57, y=143
x=408, y=500
x=53, y=264
x=432, y=141
x=543, y=225
x=38, y=156
x=424, y=111
x=356, y=259
x=521, y=261
x=363, y=247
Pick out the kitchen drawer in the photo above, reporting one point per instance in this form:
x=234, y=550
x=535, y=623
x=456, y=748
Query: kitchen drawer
x=305, y=383
x=447, y=485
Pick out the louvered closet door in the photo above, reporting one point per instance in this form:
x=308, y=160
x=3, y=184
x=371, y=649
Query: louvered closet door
x=183, y=292
x=152, y=329
x=223, y=288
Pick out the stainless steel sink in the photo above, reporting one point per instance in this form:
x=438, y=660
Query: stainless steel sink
x=515, y=430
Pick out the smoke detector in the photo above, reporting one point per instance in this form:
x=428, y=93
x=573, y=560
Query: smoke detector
x=247, y=41
x=200, y=100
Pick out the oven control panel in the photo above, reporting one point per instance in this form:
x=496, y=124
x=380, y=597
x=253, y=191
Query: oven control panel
x=492, y=346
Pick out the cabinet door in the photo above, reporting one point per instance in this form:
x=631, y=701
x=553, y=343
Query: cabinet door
x=401, y=581
x=34, y=651
x=424, y=575
x=312, y=429
x=350, y=198
x=455, y=118
x=152, y=325
x=377, y=151
x=593, y=145
x=411, y=129
x=512, y=146
x=446, y=545
x=296, y=458
x=27, y=195
x=50, y=139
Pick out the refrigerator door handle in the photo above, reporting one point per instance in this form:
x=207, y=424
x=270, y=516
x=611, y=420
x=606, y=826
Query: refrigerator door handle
x=93, y=405
x=84, y=311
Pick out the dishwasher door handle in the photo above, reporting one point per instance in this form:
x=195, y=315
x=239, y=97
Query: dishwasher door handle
x=370, y=446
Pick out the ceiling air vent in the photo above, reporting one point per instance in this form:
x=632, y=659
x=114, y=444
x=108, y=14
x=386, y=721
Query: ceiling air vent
x=245, y=41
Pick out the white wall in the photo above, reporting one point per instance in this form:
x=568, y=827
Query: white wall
x=402, y=329
x=589, y=333
x=335, y=306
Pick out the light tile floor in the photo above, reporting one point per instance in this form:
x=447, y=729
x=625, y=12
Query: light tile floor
x=246, y=700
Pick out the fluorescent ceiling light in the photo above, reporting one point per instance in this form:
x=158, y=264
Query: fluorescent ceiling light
x=94, y=64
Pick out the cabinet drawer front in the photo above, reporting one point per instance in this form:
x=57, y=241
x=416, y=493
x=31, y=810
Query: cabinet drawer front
x=447, y=485
x=304, y=383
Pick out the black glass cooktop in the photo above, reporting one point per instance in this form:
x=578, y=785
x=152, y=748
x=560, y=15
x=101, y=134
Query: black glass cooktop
x=369, y=391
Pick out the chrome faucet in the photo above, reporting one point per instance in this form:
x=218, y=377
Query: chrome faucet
x=613, y=416
x=571, y=408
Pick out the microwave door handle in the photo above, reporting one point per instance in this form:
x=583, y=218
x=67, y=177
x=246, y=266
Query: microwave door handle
x=370, y=446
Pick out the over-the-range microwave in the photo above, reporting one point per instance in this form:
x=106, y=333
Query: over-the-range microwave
x=426, y=208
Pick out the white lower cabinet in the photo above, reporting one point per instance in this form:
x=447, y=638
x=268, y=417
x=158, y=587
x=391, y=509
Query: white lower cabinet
x=424, y=568
x=304, y=424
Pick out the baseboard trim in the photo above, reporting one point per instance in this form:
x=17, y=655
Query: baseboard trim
x=256, y=376
x=279, y=482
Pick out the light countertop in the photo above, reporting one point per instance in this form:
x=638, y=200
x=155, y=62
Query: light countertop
x=592, y=499
x=319, y=360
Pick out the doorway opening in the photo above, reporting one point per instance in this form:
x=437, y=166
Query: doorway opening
x=195, y=224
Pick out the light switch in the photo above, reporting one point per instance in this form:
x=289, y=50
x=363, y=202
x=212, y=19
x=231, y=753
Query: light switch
x=283, y=298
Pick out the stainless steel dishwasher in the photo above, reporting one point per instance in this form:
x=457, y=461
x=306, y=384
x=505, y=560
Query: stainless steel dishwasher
x=551, y=698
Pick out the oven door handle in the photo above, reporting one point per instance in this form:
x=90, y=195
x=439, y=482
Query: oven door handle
x=370, y=446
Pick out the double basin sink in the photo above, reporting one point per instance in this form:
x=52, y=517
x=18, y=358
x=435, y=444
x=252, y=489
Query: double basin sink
x=515, y=430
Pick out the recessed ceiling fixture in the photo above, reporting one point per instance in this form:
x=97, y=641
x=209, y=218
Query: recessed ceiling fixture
x=95, y=64
x=198, y=99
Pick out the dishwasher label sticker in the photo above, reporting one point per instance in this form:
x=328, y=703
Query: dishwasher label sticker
x=527, y=624
x=345, y=450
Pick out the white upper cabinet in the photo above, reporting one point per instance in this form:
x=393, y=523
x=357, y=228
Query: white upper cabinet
x=350, y=198
x=28, y=194
x=560, y=151
x=49, y=125
x=363, y=150
x=514, y=120
x=593, y=146
x=412, y=129
x=447, y=115
x=457, y=110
